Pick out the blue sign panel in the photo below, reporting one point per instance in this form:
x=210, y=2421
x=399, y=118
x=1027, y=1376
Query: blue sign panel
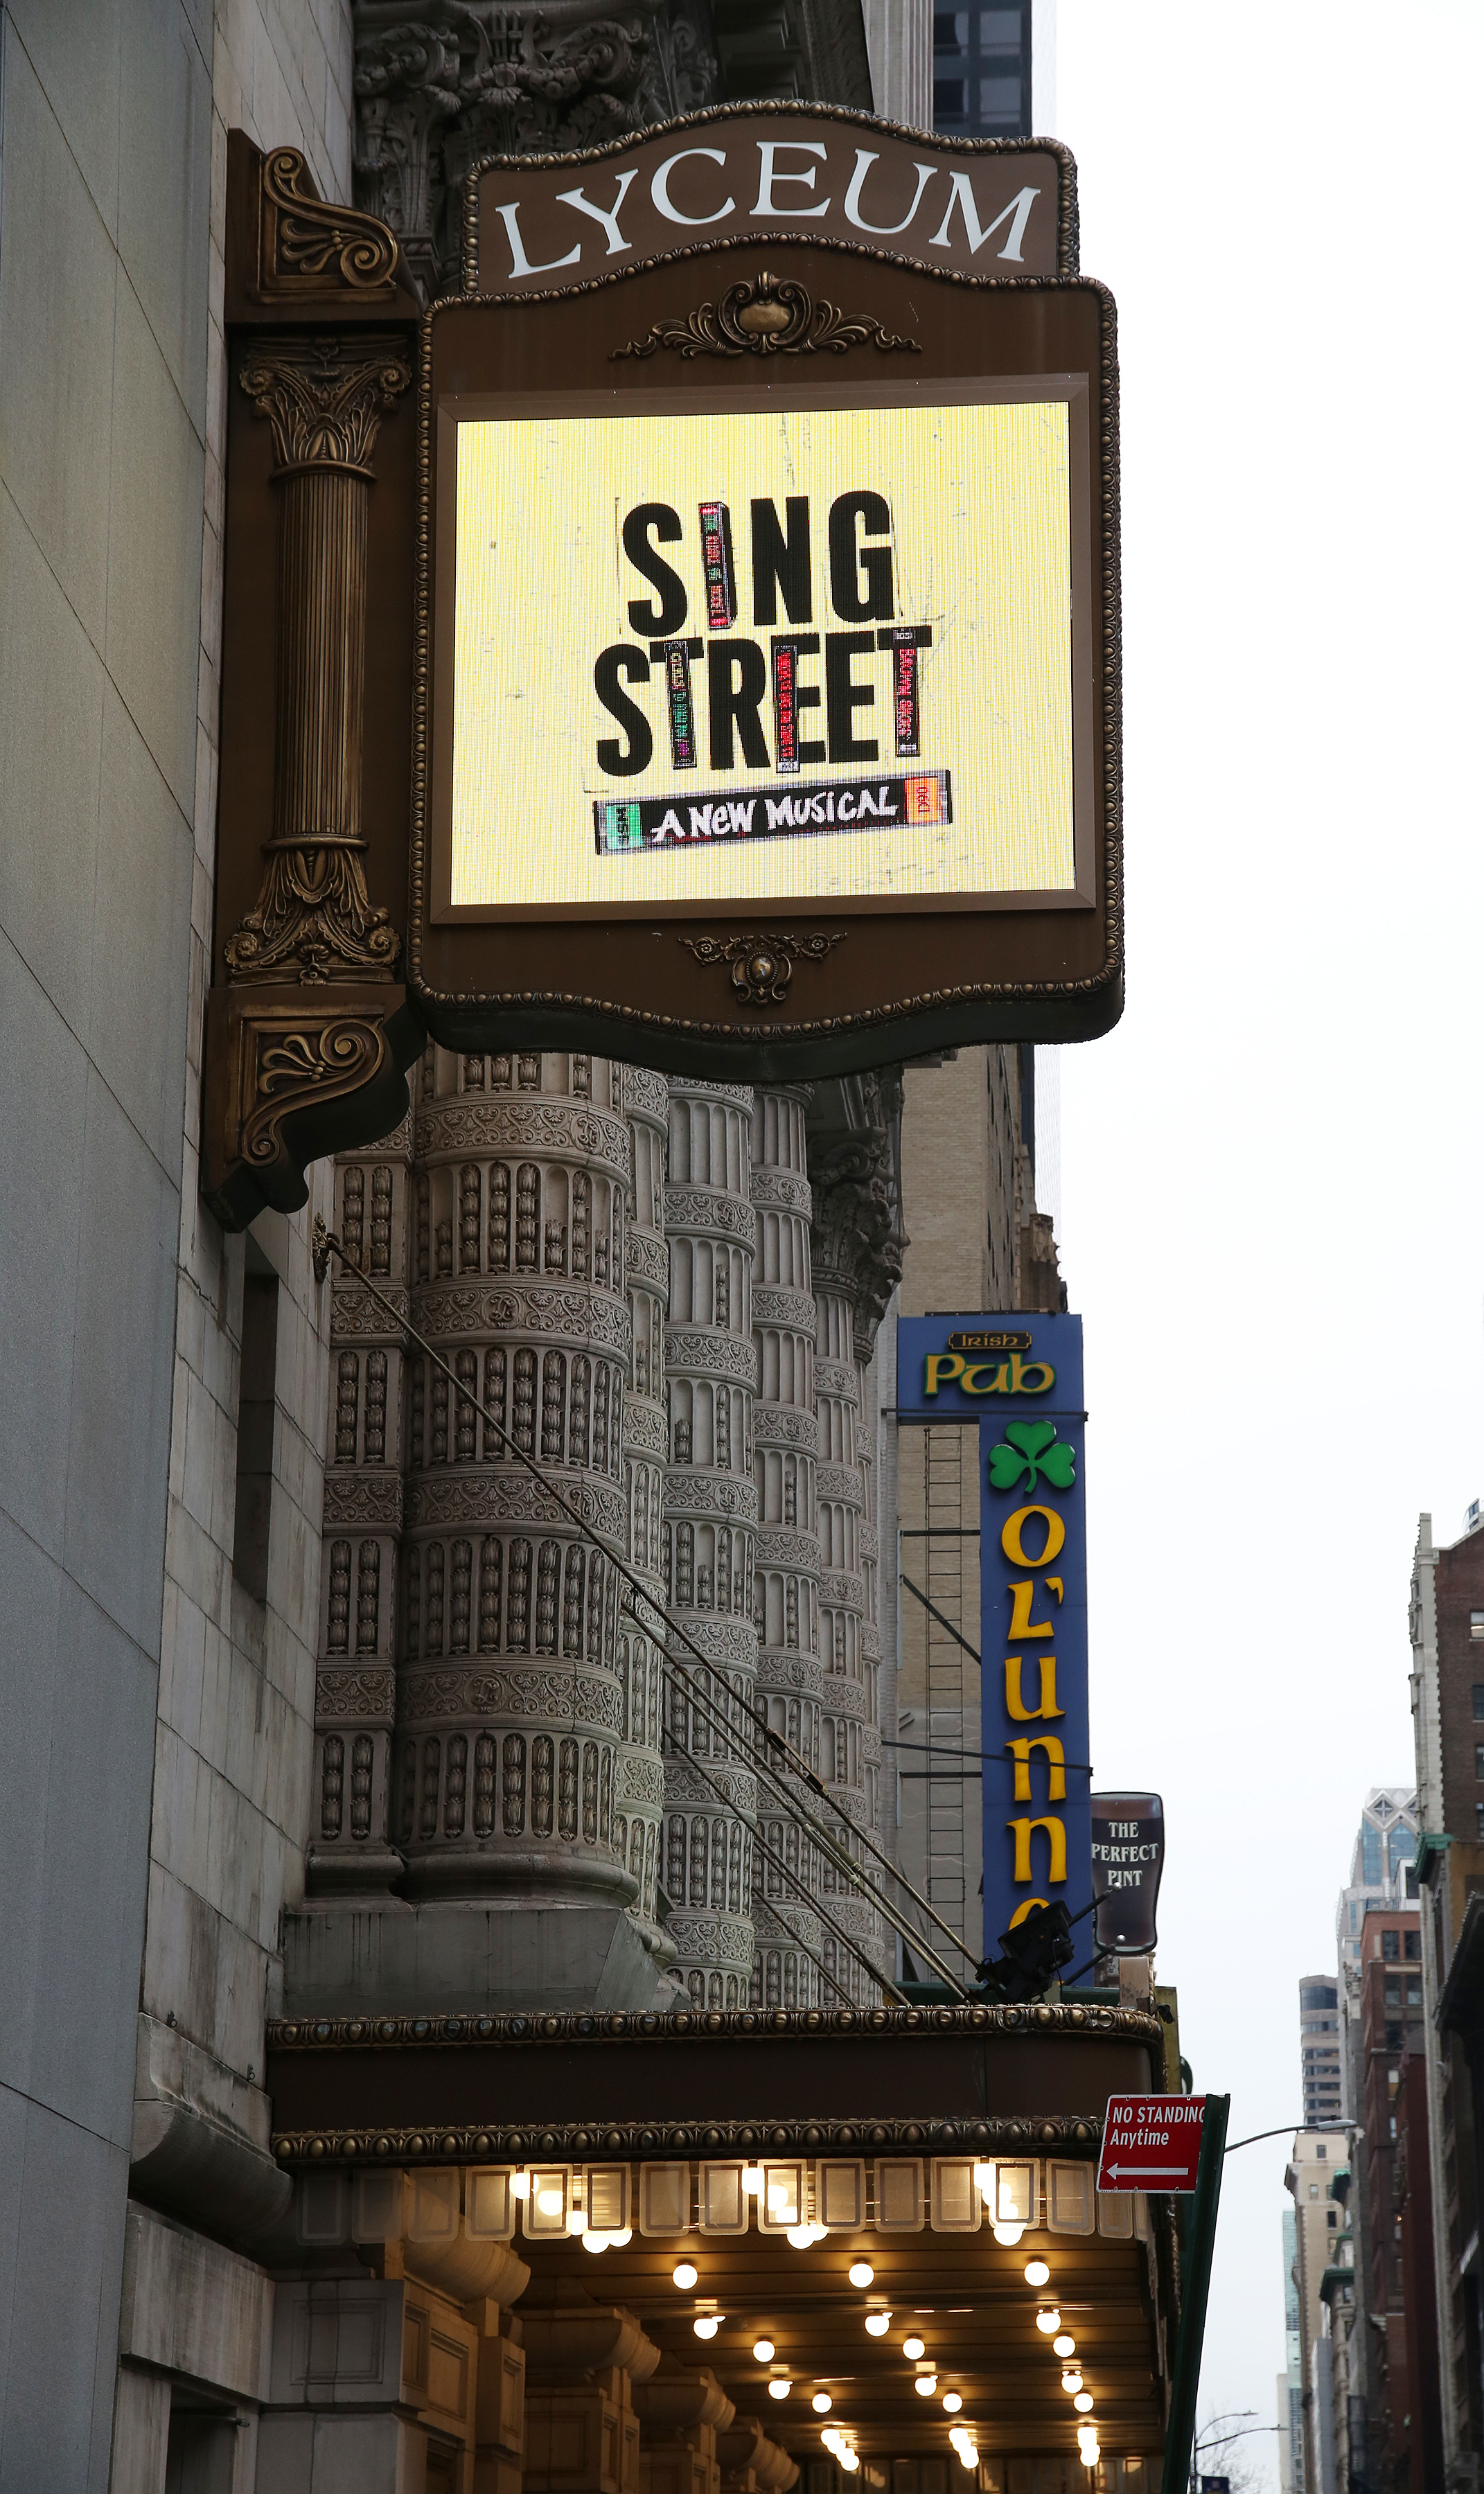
x=1020, y=1378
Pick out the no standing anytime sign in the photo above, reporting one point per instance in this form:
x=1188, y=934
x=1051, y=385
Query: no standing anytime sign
x=1151, y=2143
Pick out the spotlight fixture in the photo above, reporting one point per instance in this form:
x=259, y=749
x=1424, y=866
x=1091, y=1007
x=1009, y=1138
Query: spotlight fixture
x=1048, y=2318
x=1036, y=2272
x=1064, y=2345
x=761, y=2349
x=684, y=2273
x=780, y=2389
x=862, y=2273
x=912, y=2347
x=1083, y=2401
x=926, y=2385
x=1072, y=2379
x=821, y=2403
x=1008, y=2235
x=952, y=2401
x=878, y=2323
x=706, y=2323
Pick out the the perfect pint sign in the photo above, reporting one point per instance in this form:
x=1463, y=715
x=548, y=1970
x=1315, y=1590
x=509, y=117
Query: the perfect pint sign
x=1151, y=2143
x=766, y=704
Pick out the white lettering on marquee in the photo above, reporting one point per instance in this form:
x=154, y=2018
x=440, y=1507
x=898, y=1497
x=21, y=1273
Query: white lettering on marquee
x=865, y=158
x=607, y=218
x=659, y=188
x=961, y=196
x=519, y=265
x=769, y=150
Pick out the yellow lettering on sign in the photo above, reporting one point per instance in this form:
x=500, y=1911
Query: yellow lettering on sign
x=1012, y=1544
x=1021, y=1624
x=1047, y=1709
x=946, y=1364
x=1022, y=1830
x=1020, y=1912
x=1021, y=1372
x=1056, y=1764
x=985, y=1368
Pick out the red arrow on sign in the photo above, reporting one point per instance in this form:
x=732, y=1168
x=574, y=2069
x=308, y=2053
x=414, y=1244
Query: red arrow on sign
x=1151, y=2143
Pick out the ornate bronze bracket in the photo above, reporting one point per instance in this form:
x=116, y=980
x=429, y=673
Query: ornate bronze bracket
x=761, y=965
x=291, y=1075
x=768, y=316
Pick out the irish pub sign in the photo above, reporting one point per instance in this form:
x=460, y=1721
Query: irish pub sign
x=1020, y=1379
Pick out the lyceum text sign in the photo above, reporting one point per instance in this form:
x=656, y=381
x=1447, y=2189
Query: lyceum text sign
x=767, y=691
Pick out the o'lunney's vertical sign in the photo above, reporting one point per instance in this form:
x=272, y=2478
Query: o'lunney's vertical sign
x=740, y=175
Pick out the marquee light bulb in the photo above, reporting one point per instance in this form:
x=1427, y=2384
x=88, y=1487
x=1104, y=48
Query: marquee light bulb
x=780, y=2389
x=520, y=2185
x=1036, y=2272
x=952, y=2401
x=862, y=2273
x=1065, y=2345
x=622, y=2238
x=817, y=2232
x=1008, y=2235
x=577, y=2223
x=549, y=2202
x=761, y=2349
x=821, y=2403
x=684, y=2273
x=1083, y=2400
x=1048, y=2319
x=926, y=2385
x=849, y=2462
x=1089, y=2449
x=591, y=2242
x=878, y=2323
x=912, y=2347
x=968, y=2453
x=753, y=2180
x=800, y=2237
x=706, y=2323
x=1072, y=2380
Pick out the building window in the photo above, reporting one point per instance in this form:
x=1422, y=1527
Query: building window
x=1411, y=1944
x=1478, y=1701
x=1478, y=1822
x=256, y=1403
x=1476, y=1624
x=1314, y=2190
x=1391, y=1946
x=982, y=70
x=1479, y=1760
x=1322, y=2149
x=1332, y=2217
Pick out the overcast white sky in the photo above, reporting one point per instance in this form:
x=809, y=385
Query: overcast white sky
x=1272, y=1177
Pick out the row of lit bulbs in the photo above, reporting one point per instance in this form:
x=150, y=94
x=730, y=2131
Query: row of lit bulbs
x=1048, y=2321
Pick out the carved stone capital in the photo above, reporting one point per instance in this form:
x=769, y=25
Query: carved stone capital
x=292, y=1074
x=324, y=396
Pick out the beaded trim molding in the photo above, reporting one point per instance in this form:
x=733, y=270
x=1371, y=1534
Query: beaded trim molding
x=1065, y=2134
x=731, y=2026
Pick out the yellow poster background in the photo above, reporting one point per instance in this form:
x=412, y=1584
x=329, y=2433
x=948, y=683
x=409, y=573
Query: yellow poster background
x=981, y=542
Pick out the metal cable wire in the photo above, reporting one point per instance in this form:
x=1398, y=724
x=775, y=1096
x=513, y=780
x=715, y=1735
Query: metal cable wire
x=325, y=1243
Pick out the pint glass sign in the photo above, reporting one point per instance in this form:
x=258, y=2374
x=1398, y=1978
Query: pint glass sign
x=1128, y=1857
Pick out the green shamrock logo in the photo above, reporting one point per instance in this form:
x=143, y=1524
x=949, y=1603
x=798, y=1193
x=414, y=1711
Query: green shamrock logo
x=1031, y=1454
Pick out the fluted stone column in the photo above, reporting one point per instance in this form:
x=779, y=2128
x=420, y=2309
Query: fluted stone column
x=355, y=1682
x=639, y=1794
x=786, y=1590
x=510, y=1710
x=845, y=1722
x=711, y=1517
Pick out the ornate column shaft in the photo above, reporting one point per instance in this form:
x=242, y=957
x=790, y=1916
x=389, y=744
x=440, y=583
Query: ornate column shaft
x=355, y=1683
x=323, y=397
x=711, y=1518
x=511, y=1707
x=639, y=1793
x=786, y=1591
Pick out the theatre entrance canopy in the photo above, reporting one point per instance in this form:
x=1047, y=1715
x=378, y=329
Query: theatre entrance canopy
x=830, y=2240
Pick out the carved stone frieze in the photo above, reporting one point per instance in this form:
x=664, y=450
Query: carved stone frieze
x=727, y=1355
x=560, y=1696
x=690, y=1492
x=641, y=1777
x=774, y=1425
x=792, y=1310
x=684, y=1785
x=783, y=1189
x=706, y=1212
x=487, y=1495
x=364, y=1500
x=555, y=1129
x=594, y=1319
x=645, y=1428
x=355, y=1696
x=858, y=1239
x=842, y=1482
x=844, y=1590
x=832, y=1377
x=355, y=1316
x=710, y=1939
x=646, y=1094
x=788, y=1670
x=782, y=1921
x=842, y=1695
x=649, y=1260
x=720, y=1640
x=782, y=1545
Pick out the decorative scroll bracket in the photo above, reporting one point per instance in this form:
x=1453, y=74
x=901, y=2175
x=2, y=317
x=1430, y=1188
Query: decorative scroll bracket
x=762, y=966
x=768, y=316
x=293, y=1074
